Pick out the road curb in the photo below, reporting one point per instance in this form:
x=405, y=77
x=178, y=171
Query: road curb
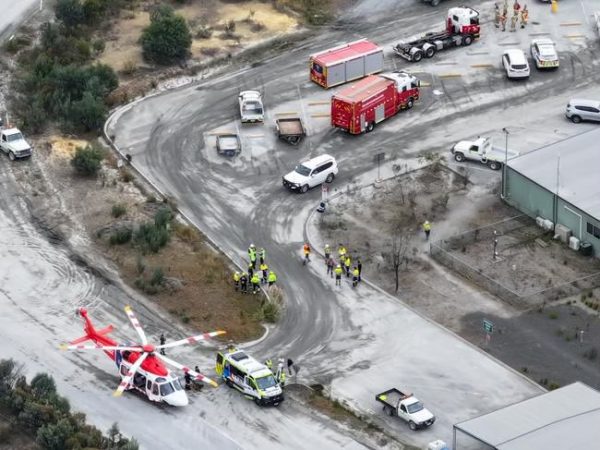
x=307, y=236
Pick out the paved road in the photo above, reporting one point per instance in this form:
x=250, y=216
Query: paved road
x=240, y=202
x=13, y=12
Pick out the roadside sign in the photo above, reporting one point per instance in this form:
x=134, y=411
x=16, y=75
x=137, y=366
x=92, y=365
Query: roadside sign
x=379, y=157
x=488, y=326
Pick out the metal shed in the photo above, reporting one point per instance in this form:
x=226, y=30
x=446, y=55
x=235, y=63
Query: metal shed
x=565, y=419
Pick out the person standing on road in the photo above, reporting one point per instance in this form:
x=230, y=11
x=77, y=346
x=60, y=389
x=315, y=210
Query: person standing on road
x=427, y=229
x=162, y=342
x=262, y=255
x=496, y=15
x=355, y=277
x=252, y=253
x=236, y=280
x=290, y=365
x=253, y=259
x=359, y=267
x=250, y=271
x=244, y=283
x=265, y=272
x=327, y=252
x=272, y=278
x=524, y=16
x=513, y=21
x=330, y=265
x=347, y=264
x=255, y=283
x=306, y=250
x=341, y=252
x=338, y=275
x=516, y=7
x=503, y=18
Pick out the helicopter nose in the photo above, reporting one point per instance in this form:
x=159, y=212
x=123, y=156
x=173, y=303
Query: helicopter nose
x=178, y=398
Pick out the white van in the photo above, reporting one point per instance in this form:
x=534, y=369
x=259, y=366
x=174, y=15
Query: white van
x=311, y=173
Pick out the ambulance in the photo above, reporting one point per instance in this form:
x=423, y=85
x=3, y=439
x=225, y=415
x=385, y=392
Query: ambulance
x=252, y=378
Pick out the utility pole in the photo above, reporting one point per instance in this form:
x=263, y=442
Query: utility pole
x=506, y=133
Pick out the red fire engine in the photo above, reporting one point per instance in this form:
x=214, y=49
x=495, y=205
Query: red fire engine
x=358, y=108
x=345, y=63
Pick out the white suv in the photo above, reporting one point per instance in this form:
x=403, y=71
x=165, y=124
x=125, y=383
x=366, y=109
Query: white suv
x=311, y=173
x=579, y=110
x=515, y=63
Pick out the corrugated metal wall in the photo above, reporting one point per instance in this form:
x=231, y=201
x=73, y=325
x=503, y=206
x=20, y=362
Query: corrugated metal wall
x=527, y=196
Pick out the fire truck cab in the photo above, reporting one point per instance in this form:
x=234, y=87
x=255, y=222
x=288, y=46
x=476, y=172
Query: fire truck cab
x=463, y=20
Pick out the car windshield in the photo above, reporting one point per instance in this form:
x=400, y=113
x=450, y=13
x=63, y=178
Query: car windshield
x=14, y=137
x=166, y=389
x=252, y=106
x=266, y=382
x=303, y=170
x=415, y=407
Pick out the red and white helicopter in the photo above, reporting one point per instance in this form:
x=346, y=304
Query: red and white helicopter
x=141, y=366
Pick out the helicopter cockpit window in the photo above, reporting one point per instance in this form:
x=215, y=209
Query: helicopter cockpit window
x=166, y=389
x=177, y=384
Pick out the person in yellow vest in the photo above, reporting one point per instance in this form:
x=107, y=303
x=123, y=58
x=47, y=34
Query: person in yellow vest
x=347, y=263
x=265, y=272
x=338, y=275
x=236, y=280
x=524, y=16
x=272, y=278
x=427, y=229
x=355, y=275
x=262, y=255
x=269, y=364
x=255, y=283
x=342, y=252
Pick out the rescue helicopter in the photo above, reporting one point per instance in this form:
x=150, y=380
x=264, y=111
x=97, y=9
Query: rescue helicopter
x=141, y=366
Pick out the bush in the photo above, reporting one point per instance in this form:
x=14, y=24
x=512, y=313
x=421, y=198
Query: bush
x=87, y=113
x=167, y=38
x=87, y=160
x=70, y=12
x=126, y=176
x=271, y=312
x=158, y=277
x=118, y=210
x=151, y=238
x=163, y=217
x=98, y=45
x=121, y=236
x=54, y=436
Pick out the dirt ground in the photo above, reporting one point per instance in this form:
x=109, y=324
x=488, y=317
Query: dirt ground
x=198, y=289
x=254, y=22
x=542, y=345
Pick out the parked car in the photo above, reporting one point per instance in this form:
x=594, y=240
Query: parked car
x=14, y=144
x=579, y=110
x=228, y=144
x=407, y=407
x=311, y=173
x=515, y=63
x=251, y=106
x=543, y=52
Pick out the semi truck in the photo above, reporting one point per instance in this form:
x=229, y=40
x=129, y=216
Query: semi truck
x=407, y=407
x=345, y=63
x=462, y=28
x=358, y=108
x=483, y=151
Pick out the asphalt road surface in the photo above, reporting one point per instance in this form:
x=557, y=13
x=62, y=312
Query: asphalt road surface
x=241, y=201
x=13, y=12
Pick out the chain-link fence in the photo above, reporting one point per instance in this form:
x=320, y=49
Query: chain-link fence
x=492, y=257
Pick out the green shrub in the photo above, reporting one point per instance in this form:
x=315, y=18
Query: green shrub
x=151, y=238
x=553, y=315
x=87, y=160
x=158, y=277
x=167, y=38
x=121, y=236
x=98, y=45
x=70, y=12
x=163, y=217
x=271, y=312
x=118, y=210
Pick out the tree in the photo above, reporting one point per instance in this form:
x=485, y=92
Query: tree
x=400, y=243
x=53, y=436
x=89, y=112
x=87, y=160
x=43, y=386
x=70, y=12
x=167, y=38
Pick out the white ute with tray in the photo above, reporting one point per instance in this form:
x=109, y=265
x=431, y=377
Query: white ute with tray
x=407, y=407
x=483, y=151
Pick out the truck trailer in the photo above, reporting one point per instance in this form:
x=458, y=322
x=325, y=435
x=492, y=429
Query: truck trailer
x=358, y=108
x=462, y=28
x=345, y=63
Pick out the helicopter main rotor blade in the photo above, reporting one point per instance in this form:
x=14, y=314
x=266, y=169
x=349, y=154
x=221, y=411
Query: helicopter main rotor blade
x=191, y=339
x=196, y=375
x=136, y=324
x=100, y=347
x=130, y=373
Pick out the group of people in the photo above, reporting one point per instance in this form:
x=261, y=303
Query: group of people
x=343, y=266
x=258, y=272
x=279, y=372
x=501, y=16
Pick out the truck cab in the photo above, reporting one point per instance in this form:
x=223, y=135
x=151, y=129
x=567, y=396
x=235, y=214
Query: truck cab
x=483, y=151
x=14, y=144
x=253, y=379
x=463, y=20
x=407, y=407
x=407, y=86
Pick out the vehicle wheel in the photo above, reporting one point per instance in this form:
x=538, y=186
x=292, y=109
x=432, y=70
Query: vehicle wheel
x=418, y=56
x=11, y=156
x=575, y=119
x=257, y=401
x=412, y=425
x=459, y=157
x=304, y=189
x=467, y=40
x=229, y=383
x=410, y=103
x=370, y=127
x=494, y=165
x=329, y=178
x=430, y=52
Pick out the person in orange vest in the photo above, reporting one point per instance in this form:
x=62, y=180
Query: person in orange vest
x=524, y=16
x=306, y=250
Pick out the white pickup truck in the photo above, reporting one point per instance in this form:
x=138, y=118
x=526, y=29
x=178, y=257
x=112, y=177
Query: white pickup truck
x=407, y=407
x=251, y=106
x=14, y=144
x=483, y=151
